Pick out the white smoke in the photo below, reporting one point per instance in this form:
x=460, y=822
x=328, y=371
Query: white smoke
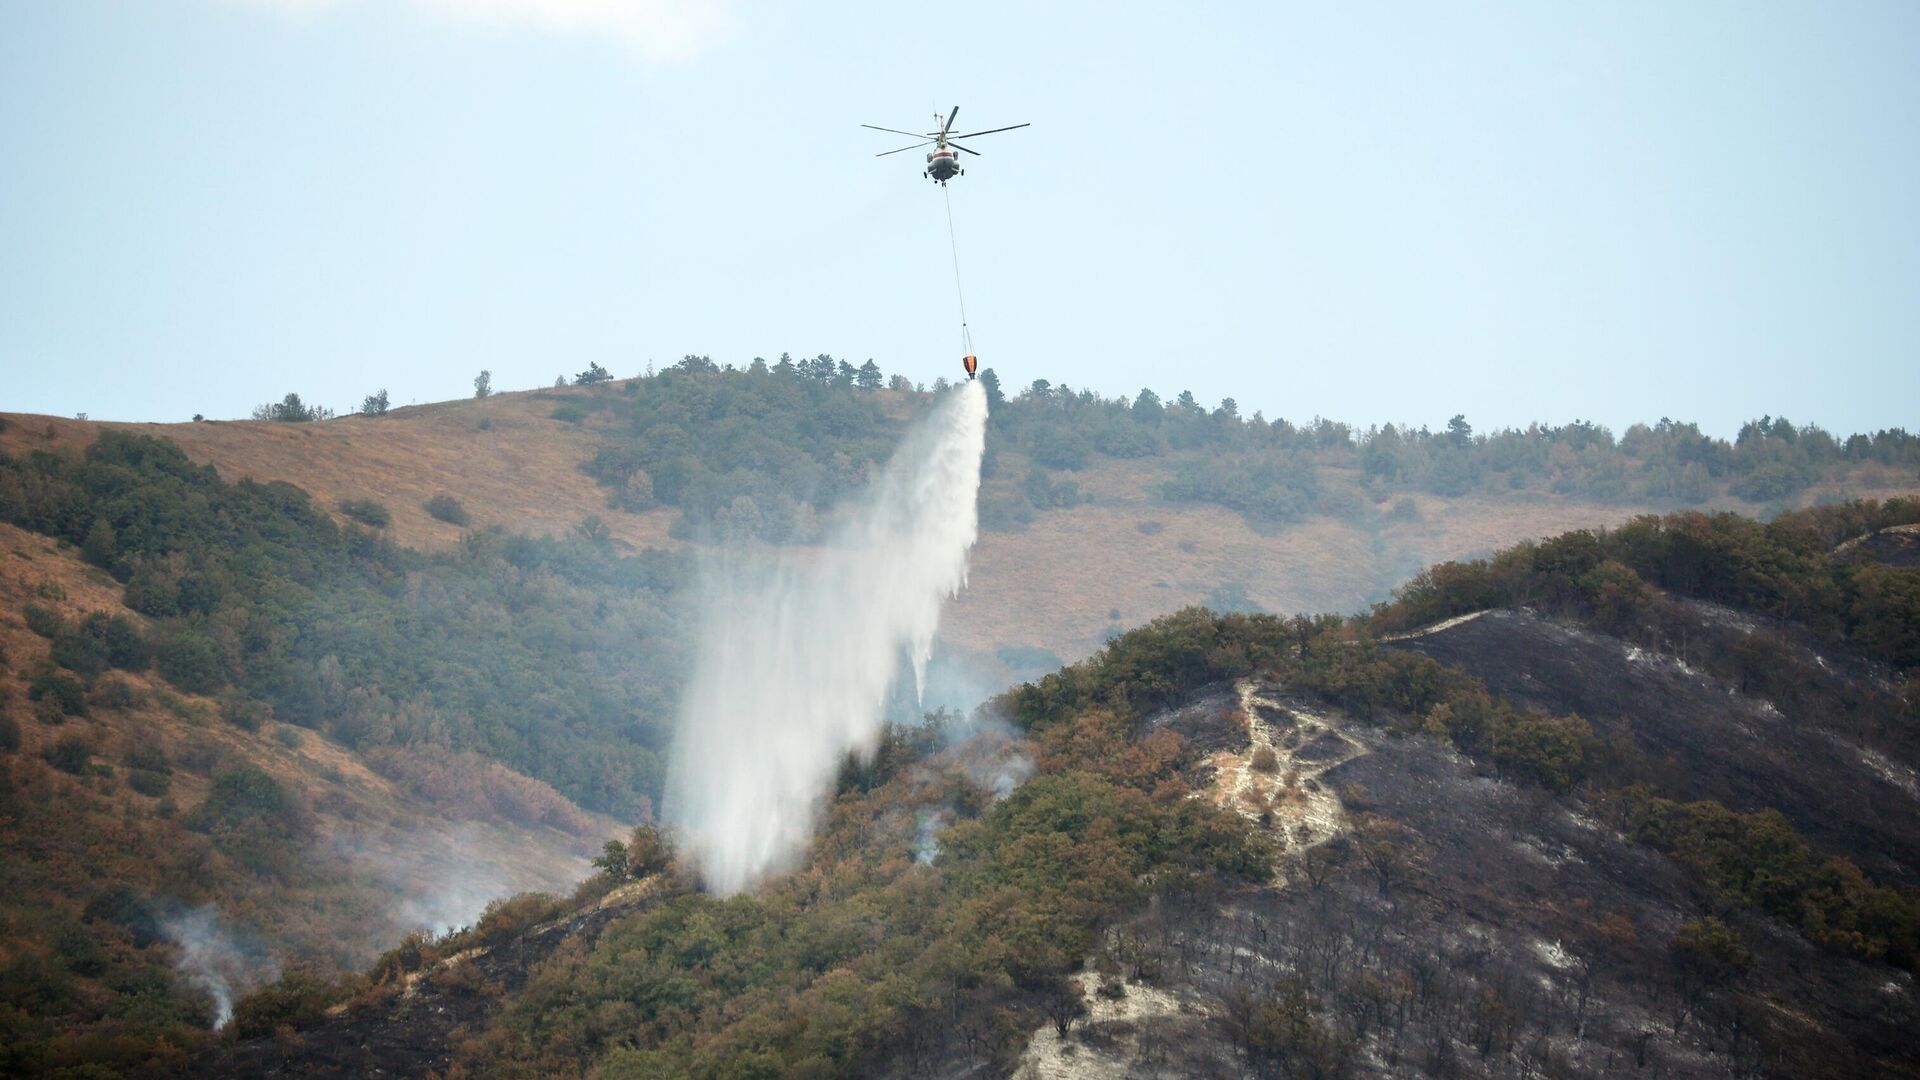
x=797, y=659
x=213, y=961
x=926, y=834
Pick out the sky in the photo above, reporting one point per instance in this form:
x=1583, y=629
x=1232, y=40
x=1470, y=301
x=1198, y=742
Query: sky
x=1371, y=212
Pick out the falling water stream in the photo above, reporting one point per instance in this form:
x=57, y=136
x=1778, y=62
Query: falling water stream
x=797, y=657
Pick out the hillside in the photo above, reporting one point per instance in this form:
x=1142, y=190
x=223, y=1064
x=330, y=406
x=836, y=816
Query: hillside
x=265, y=712
x=1099, y=514
x=153, y=838
x=1388, y=846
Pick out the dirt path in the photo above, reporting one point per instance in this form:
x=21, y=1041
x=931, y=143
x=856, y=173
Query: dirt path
x=1444, y=624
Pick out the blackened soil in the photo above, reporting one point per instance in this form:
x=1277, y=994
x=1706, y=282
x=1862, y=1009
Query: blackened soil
x=412, y=1035
x=1703, y=738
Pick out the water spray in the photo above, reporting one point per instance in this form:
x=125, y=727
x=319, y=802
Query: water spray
x=797, y=656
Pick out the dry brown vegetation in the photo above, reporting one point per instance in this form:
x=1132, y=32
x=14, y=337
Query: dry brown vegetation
x=386, y=841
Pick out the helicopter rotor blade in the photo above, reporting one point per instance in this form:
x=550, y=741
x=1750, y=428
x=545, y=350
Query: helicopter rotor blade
x=989, y=131
x=948, y=126
x=904, y=149
x=897, y=131
x=957, y=146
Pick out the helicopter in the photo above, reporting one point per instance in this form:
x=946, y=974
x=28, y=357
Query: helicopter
x=942, y=163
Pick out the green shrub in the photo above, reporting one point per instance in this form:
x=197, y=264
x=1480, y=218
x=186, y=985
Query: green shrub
x=42, y=620
x=126, y=646
x=298, y=1000
x=190, y=660
x=148, y=757
x=9, y=733
x=366, y=512
x=114, y=692
x=79, y=653
x=70, y=755
x=245, y=794
x=444, y=507
x=64, y=691
x=244, y=712
x=151, y=784
x=571, y=414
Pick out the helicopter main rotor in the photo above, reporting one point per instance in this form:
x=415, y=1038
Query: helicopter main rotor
x=945, y=138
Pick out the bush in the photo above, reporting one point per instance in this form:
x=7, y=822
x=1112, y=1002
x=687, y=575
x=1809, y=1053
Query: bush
x=64, y=691
x=366, y=512
x=151, y=784
x=79, y=652
x=114, y=692
x=70, y=755
x=244, y=712
x=243, y=794
x=43, y=620
x=191, y=661
x=148, y=757
x=444, y=507
x=1265, y=761
x=126, y=647
x=9, y=733
x=298, y=1000
x=570, y=414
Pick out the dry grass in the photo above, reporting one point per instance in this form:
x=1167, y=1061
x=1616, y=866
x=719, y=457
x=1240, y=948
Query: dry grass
x=522, y=472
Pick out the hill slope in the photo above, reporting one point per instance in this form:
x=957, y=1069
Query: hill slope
x=1295, y=848
x=1096, y=517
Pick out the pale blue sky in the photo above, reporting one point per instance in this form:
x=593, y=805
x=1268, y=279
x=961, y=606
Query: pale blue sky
x=1371, y=212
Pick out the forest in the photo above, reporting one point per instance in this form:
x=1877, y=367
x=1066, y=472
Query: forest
x=765, y=450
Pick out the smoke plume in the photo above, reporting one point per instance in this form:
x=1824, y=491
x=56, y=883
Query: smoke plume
x=213, y=961
x=797, y=657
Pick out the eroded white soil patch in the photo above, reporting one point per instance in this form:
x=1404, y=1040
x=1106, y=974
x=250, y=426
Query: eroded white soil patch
x=1276, y=781
x=1110, y=1039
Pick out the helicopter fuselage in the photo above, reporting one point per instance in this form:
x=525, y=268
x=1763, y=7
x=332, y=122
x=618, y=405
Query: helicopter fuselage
x=943, y=164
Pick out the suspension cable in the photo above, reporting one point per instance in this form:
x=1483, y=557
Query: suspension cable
x=966, y=336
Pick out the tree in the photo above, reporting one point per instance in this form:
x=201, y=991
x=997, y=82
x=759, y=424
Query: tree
x=99, y=548
x=593, y=376
x=648, y=851
x=595, y=531
x=482, y=385
x=374, y=404
x=1459, y=432
x=868, y=377
x=612, y=860
x=991, y=383
x=292, y=410
x=1147, y=408
x=1061, y=999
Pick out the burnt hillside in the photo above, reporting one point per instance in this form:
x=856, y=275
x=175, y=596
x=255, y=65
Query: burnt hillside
x=1624, y=829
x=1700, y=735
